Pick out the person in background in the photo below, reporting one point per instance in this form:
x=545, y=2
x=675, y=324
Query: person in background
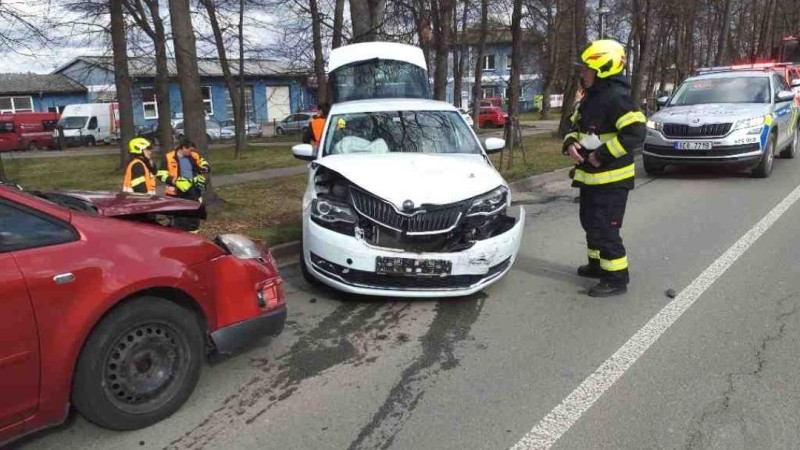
x=184, y=172
x=313, y=133
x=140, y=175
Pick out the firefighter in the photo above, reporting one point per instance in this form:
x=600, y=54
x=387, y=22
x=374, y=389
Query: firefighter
x=606, y=129
x=313, y=133
x=184, y=172
x=140, y=175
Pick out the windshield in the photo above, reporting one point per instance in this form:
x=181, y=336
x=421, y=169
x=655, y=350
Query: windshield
x=399, y=131
x=723, y=90
x=73, y=122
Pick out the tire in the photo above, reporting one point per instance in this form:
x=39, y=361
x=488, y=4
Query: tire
x=791, y=151
x=119, y=380
x=279, y=131
x=651, y=167
x=89, y=140
x=32, y=146
x=303, y=131
x=764, y=167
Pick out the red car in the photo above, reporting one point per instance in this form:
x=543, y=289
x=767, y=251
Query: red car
x=102, y=308
x=491, y=116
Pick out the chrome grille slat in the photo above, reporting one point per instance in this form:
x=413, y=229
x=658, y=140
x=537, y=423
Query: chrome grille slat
x=433, y=220
x=676, y=130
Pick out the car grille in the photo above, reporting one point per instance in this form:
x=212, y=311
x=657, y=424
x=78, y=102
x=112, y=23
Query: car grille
x=676, y=130
x=439, y=219
x=411, y=282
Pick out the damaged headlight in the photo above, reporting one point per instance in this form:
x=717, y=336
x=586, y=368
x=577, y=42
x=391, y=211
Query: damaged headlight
x=331, y=212
x=239, y=246
x=490, y=203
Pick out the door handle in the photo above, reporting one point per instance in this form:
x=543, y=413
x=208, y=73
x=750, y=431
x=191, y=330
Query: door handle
x=64, y=278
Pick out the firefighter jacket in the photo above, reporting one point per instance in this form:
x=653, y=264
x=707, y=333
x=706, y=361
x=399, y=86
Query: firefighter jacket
x=171, y=172
x=140, y=176
x=607, y=112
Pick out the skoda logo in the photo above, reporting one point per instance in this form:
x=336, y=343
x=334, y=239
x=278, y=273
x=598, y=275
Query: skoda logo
x=695, y=121
x=408, y=205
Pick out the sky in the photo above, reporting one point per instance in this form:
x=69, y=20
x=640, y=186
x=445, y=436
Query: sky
x=68, y=42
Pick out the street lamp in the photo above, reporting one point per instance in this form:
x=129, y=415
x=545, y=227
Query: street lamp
x=602, y=11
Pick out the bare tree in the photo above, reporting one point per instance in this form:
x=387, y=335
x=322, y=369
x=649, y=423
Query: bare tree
x=443, y=11
x=338, y=24
x=319, y=57
x=479, y=51
x=122, y=79
x=367, y=19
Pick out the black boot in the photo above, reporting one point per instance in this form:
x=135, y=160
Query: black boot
x=591, y=270
x=604, y=289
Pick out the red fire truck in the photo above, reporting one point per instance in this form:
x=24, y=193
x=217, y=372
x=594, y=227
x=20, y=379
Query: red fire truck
x=27, y=131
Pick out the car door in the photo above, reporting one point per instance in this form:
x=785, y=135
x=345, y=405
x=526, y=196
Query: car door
x=784, y=112
x=19, y=339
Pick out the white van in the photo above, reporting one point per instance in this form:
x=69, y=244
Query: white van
x=89, y=123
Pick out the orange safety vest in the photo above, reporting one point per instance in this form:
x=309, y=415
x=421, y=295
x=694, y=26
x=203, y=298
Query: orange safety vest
x=174, y=169
x=149, y=178
x=317, y=126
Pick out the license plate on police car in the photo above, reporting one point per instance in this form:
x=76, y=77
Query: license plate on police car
x=693, y=146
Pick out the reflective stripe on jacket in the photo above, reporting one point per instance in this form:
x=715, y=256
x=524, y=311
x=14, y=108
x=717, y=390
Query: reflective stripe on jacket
x=139, y=177
x=607, y=112
x=171, y=170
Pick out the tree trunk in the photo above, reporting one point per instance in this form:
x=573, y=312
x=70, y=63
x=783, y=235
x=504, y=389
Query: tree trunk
x=576, y=47
x=516, y=65
x=443, y=23
x=459, y=54
x=642, y=26
x=189, y=78
x=242, y=123
x=122, y=79
x=338, y=24
x=319, y=57
x=723, y=36
x=227, y=74
x=367, y=19
x=478, y=73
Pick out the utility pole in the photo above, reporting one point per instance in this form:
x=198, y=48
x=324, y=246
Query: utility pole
x=602, y=11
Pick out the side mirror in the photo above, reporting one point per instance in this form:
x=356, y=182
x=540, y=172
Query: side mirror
x=796, y=82
x=662, y=101
x=303, y=152
x=494, y=145
x=784, y=96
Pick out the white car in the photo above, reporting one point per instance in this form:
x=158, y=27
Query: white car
x=403, y=201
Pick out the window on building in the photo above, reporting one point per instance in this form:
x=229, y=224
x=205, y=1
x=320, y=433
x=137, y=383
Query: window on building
x=488, y=62
x=249, y=107
x=508, y=62
x=488, y=91
x=16, y=104
x=208, y=103
x=149, y=103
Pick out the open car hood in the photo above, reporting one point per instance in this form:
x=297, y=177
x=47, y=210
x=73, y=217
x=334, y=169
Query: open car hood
x=122, y=204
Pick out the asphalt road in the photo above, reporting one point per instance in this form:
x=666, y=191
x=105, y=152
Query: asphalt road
x=482, y=372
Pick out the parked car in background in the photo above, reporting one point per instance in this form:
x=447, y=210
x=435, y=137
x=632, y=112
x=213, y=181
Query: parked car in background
x=253, y=129
x=108, y=311
x=27, y=131
x=491, y=116
x=88, y=124
x=294, y=123
x=731, y=117
x=467, y=117
x=214, y=131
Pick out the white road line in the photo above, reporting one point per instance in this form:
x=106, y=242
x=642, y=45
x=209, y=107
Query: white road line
x=561, y=419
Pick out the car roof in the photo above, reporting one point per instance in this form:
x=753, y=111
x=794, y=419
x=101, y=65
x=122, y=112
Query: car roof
x=733, y=74
x=382, y=104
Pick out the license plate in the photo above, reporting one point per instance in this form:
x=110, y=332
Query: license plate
x=412, y=267
x=693, y=146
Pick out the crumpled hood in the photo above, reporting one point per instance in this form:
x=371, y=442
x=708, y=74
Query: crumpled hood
x=710, y=113
x=118, y=204
x=420, y=177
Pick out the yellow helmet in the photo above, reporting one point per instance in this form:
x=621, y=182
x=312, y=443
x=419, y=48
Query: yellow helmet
x=137, y=145
x=606, y=57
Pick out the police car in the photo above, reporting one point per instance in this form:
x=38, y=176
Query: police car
x=723, y=116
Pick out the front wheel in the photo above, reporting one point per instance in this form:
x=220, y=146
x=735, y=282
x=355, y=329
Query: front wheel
x=764, y=167
x=651, y=167
x=791, y=151
x=32, y=146
x=139, y=365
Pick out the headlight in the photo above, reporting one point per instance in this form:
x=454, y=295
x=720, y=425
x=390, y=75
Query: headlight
x=749, y=123
x=488, y=204
x=653, y=125
x=239, y=246
x=331, y=212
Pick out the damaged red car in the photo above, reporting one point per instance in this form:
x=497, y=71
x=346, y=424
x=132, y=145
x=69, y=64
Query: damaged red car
x=104, y=309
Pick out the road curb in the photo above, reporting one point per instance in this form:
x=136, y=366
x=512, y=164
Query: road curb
x=288, y=254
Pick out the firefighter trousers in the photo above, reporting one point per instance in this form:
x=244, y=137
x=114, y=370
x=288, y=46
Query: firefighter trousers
x=601, y=212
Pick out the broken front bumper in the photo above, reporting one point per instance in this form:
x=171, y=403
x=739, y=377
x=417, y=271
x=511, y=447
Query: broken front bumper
x=348, y=264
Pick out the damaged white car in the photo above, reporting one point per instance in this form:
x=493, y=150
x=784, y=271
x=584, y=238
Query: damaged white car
x=402, y=199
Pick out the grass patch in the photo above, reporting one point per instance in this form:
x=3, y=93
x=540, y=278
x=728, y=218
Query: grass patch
x=101, y=173
x=554, y=114
x=543, y=154
x=268, y=210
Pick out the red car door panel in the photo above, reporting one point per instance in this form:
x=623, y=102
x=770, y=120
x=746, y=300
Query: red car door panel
x=19, y=346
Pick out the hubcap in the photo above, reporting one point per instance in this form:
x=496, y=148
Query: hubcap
x=143, y=364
